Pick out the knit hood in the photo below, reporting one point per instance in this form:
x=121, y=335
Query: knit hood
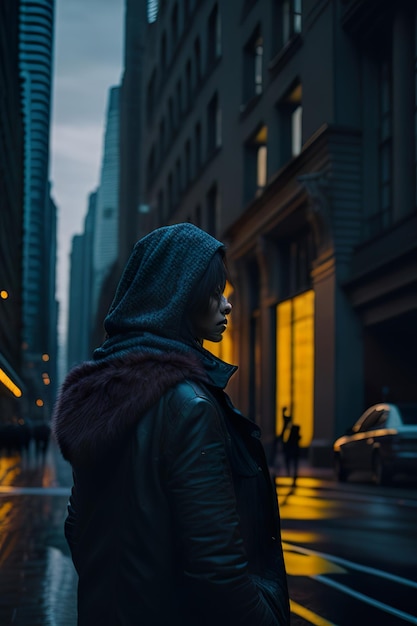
x=156, y=285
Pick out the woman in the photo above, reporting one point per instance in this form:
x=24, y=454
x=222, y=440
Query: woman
x=172, y=518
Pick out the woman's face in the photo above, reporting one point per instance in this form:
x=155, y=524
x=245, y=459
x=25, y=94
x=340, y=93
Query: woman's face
x=212, y=324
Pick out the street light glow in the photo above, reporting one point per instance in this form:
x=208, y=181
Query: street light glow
x=4, y=294
x=9, y=384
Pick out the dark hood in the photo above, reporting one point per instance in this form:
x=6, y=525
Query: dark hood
x=158, y=280
x=99, y=402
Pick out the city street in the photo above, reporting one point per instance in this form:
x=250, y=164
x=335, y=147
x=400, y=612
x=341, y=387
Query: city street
x=349, y=549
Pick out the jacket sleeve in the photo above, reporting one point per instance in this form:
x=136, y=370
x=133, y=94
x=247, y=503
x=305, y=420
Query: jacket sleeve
x=201, y=494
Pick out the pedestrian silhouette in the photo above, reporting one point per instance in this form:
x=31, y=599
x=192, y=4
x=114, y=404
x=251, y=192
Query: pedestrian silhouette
x=291, y=448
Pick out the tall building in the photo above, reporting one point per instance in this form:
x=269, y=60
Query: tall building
x=80, y=320
x=287, y=128
x=130, y=200
x=105, y=238
x=39, y=233
x=11, y=214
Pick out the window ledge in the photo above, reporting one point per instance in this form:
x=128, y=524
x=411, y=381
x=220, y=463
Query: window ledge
x=285, y=54
x=248, y=106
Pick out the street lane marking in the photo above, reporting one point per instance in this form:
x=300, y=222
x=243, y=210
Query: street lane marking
x=360, y=596
x=351, y=565
x=308, y=615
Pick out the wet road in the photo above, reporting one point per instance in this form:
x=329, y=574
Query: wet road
x=350, y=552
x=350, y=549
x=37, y=579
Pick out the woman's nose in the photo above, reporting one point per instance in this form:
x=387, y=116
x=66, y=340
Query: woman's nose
x=226, y=306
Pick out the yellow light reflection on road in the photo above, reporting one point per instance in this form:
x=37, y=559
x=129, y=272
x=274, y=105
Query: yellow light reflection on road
x=308, y=564
x=9, y=469
x=308, y=615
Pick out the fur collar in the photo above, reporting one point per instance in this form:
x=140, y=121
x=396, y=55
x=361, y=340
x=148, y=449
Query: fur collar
x=100, y=400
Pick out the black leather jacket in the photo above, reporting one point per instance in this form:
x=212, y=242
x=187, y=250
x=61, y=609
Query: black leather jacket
x=177, y=523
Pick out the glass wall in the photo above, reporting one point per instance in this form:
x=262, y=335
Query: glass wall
x=295, y=363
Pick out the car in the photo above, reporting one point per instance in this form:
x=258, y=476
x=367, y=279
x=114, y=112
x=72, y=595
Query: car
x=382, y=442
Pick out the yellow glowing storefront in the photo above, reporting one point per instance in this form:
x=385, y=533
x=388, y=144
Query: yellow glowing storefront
x=295, y=363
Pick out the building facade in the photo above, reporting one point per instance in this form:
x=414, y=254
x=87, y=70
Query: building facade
x=11, y=215
x=80, y=314
x=105, y=232
x=287, y=129
x=39, y=224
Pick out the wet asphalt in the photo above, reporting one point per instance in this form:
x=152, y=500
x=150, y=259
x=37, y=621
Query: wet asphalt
x=37, y=578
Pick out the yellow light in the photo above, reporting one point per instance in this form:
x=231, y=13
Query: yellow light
x=39, y=402
x=45, y=357
x=7, y=382
x=4, y=294
x=295, y=363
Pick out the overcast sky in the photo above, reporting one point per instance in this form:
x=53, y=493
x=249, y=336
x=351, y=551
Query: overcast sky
x=88, y=62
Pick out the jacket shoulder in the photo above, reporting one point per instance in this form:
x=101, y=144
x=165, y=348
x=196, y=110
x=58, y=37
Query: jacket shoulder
x=186, y=392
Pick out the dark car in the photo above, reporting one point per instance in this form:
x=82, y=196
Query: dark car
x=382, y=442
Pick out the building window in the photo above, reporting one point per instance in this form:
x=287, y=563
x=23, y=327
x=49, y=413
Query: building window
x=178, y=182
x=197, y=213
x=290, y=113
x=179, y=101
x=188, y=173
x=382, y=219
x=164, y=52
x=256, y=153
x=198, y=147
x=151, y=168
x=174, y=26
x=162, y=139
x=171, y=117
x=212, y=210
x=161, y=207
x=150, y=96
x=170, y=194
x=214, y=125
x=213, y=36
x=291, y=19
x=197, y=61
x=295, y=363
x=253, y=67
x=188, y=85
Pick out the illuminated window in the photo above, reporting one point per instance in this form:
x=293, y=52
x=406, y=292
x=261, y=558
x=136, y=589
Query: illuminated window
x=256, y=153
x=291, y=19
x=295, y=363
x=290, y=112
x=253, y=66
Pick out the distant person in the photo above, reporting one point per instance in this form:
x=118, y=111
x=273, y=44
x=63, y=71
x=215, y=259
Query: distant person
x=291, y=448
x=279, y=439
x=173, y=519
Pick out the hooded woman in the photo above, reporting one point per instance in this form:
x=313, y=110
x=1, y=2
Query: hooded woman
x=172, y=518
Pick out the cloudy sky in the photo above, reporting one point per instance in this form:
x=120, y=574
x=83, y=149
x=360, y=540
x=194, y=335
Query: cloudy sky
x=88, y=61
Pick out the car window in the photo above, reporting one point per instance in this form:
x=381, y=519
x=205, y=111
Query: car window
x=369, y=421
x=381, y=419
